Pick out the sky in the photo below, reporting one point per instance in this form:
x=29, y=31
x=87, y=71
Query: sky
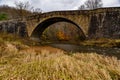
x=55, y=5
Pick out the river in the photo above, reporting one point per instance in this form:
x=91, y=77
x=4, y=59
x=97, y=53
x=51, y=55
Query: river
x=88, y=49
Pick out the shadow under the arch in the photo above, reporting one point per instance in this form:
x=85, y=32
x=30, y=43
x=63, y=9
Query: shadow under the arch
x=37, y=32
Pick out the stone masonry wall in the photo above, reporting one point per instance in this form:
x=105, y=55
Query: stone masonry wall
x=97, y=23
x=14, y=27
x=105, y=25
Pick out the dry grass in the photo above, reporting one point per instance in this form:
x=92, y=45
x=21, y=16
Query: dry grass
x=45, y=65
x=102, y=42
x=15, y=39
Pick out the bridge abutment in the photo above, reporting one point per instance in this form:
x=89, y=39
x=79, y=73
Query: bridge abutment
x=105, y=25
x=14, y=27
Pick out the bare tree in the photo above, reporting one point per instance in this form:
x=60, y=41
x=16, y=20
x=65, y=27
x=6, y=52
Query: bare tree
x=37, y=11
x=82, y=7
x=23, y=8
x=91, y=4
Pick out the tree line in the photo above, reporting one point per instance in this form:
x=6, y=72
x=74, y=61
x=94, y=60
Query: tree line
x=91, y=4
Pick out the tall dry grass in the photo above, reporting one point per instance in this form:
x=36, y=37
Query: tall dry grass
x=103, y=42
x=18, y=64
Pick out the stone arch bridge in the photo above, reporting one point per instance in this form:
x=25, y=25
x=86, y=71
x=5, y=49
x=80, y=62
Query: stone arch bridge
x=102, y=22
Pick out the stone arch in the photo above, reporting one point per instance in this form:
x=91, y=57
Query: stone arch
x=37, y=32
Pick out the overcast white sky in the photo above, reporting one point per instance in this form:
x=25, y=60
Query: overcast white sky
x=54, y=5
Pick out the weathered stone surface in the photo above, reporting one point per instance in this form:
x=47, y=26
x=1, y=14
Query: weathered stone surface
x=98, y=23
x=105, y=25
x=14, y=27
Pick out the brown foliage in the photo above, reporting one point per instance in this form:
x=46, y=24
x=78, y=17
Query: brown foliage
x=62, y=31
x=62, y=36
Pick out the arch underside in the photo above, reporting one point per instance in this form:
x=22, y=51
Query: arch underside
x=37, y=32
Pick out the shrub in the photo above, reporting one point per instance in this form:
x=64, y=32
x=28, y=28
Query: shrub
x=3, y=16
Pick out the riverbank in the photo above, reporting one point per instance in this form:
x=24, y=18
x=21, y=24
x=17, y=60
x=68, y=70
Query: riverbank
x=109, y=43
x=22, y=59
x=73, y=48
x=44, y=64
x=104, y=42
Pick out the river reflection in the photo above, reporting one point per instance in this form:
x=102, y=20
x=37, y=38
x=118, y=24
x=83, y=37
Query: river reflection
x=88, y=49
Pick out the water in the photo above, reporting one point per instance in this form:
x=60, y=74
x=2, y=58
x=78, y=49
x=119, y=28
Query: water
x=88, y=49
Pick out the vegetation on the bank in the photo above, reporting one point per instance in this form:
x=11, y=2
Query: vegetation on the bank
x=3, y=16
x=102, y=42
x=16, y=40
x=29, y=64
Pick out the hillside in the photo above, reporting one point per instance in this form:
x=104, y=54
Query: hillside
x=14, y=12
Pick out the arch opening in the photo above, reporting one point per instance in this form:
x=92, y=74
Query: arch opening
x=37, y=32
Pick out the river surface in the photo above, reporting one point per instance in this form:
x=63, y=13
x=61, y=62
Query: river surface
x=88, y=49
